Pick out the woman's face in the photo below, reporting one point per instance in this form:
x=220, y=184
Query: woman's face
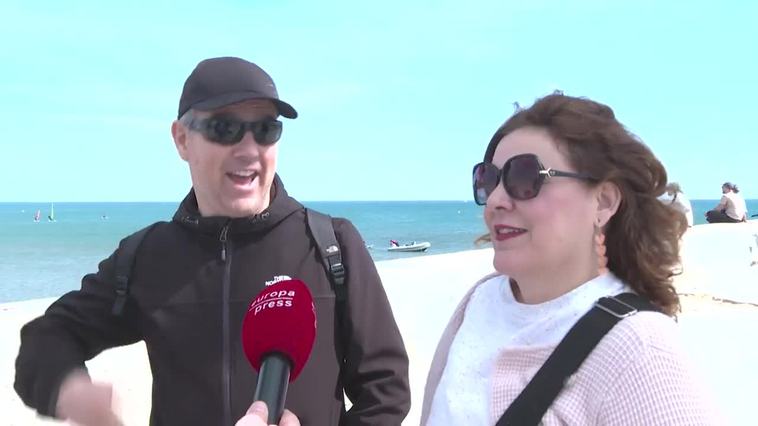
x=550, y=232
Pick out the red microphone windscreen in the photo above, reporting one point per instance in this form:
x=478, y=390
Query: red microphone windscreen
x=281, y=319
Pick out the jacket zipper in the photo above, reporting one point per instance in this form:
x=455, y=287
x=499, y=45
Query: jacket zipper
x=226, y=258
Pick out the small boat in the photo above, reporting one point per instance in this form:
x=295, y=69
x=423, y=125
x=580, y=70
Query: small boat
x=409, y=247
x=36, y=216
x=51, y=216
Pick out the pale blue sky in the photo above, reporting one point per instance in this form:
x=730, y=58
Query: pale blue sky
x=397, y=99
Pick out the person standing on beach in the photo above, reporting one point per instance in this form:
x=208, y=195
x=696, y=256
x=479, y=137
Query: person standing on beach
x=193, y=278
x=571, y=207
x=730, y=209
x=675, y=198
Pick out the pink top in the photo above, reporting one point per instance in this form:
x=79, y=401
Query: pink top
x=638, y=374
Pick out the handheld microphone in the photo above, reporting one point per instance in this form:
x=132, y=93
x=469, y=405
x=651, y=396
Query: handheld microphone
x=277, y=336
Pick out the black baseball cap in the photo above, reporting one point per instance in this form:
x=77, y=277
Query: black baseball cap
x=218, y=82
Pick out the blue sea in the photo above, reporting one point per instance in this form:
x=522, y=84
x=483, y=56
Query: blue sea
x=45, y=259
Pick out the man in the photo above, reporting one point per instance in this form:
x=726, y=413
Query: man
x=193, y=279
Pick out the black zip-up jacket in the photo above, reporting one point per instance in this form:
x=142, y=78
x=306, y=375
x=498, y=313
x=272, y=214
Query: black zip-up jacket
x=192, y=281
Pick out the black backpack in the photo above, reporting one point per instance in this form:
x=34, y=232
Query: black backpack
x=321, y=230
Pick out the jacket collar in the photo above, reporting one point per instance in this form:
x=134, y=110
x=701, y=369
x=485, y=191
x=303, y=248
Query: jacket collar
x=281, y=206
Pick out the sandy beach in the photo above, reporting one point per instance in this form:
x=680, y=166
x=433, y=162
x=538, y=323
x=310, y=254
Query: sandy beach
x=719, y=290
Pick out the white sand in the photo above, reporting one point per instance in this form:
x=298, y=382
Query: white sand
x=717, y=261
x=424, y=291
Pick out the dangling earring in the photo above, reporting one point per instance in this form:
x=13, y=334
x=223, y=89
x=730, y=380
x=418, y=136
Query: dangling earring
x=602, y=260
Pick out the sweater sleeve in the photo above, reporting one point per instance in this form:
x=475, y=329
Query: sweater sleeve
x=375, y=374
x=658, y=387
x=74, y=329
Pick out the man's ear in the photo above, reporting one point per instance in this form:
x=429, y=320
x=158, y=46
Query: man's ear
x=608, y=202
x=179, y=133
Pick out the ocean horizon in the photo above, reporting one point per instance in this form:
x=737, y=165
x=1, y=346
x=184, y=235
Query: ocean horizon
x=48, y=258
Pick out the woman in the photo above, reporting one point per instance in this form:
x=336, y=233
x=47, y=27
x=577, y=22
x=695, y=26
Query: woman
x=678, y=201
x=573, y=216
x=730, y=209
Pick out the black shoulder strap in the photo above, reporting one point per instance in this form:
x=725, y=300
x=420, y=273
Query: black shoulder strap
x=329, y=250
x=529, y=407
x=125, y=256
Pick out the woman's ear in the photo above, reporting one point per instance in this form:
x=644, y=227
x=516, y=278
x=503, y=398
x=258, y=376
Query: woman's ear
x=608, y=201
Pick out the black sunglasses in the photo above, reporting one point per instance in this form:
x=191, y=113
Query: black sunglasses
x=229, y=130
x=522, y=177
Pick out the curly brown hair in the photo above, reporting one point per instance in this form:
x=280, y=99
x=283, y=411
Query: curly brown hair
x=643, y=237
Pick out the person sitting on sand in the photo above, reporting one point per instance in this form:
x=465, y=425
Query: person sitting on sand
x=675, y=198
x=572, y=212
x=730, y=209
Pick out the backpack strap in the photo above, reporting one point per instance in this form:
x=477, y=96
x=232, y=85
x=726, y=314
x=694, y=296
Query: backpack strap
x=329, y=251
x=322, y=230
x=529, y=407
x=127, y=252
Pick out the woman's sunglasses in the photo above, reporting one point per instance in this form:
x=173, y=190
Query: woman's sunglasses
x=522, y=177
x=229, y=131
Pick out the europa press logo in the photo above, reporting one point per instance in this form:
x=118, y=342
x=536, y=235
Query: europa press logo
x=284, y=299
x=273, y=298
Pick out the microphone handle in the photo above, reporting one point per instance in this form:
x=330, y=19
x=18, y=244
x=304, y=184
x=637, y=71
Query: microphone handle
x=273, y=379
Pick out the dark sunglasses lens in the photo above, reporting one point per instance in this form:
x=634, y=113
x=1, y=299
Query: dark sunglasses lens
x=522, y=177
x=267, y=132
x=485, y=181
x=224, y=131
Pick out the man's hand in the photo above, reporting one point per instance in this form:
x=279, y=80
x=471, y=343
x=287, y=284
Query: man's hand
x=86, y=403
x=258, y=413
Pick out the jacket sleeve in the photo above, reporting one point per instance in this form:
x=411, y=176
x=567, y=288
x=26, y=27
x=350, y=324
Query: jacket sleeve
x=375, y=374
x=74, y=329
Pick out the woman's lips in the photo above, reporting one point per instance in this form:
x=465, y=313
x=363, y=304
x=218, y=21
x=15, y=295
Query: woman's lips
x=506, y=232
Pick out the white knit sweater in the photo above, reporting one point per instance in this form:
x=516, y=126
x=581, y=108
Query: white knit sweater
x=638, y=374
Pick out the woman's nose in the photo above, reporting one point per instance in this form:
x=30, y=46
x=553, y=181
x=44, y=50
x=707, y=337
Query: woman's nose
x=499, y=198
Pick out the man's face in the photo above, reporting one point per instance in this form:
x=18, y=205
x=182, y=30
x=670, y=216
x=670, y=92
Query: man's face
x=229, y=180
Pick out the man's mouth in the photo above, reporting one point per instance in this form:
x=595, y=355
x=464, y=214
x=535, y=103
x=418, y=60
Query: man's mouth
x=242, y=177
